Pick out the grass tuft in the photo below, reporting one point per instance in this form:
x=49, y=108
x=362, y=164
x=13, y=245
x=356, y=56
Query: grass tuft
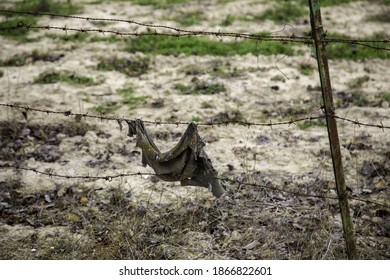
x=382, y=17
x=18, y=34
x=129, y=98
x=308, y=124
x=190, y=18
x=25, y=58
x=132, y=67
x=106, y=108
x=306, y=69
x=35, y=6
x=386, y=96
x=66, y=77
x=48, y=6
x=356, y=52
x=283, y=12
x=200, y=87
x=161, y=4
x=203, y=46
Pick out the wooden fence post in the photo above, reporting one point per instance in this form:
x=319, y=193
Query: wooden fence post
x=322, y=60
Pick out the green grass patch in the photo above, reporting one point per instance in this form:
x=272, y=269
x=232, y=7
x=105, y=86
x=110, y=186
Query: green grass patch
x=25, y=58
x=297, y=111
x=190, y=18
x=356, y=52
x=129, y=97
x=278, y=78
x=358, y=99
x=386, y=96
x=132, y=67
x=200, y=87
x=17, y=60
x=48, y=6
x=229, y=19
x=225, y=70
x=354, y=96
x=18, y=34
x=36, y=6
x=224, y=1
x=283, y=12
x=215, y=68
x=65, y=77
x=203, y=46
x=110, y=39
x=306, y=69
x=308, y=124
x=358, y=82
x=106, y=108
x=75, y=37
x=96, y=2
x=325, y=3
x=229, y=116
x=162, y=4
x=382, y=17
x=196, y=119
x=1, y=73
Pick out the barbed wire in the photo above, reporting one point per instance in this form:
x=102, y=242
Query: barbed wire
x=179, y=32
x=289, y=122
x=109, y=178
x=21, y=25
x=357, y=122
x=321, y=196
x=83, y=177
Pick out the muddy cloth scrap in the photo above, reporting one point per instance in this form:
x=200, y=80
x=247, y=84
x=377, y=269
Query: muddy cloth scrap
x=187, y=162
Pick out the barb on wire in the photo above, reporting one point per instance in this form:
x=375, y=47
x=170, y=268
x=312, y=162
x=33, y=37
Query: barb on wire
x=232, y=181
x=270, y=124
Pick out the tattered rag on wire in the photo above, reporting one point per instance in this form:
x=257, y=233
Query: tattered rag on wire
x=187, y=162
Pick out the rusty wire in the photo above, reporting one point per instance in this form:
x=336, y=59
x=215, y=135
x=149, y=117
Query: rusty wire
x=81, y=177
x=88, y=177
x=289, y=122
x=179, y=32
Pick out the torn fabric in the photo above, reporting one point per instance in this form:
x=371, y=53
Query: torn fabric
x=187, y=162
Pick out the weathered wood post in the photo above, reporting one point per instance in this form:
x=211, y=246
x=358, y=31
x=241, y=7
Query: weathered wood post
x=322, y=60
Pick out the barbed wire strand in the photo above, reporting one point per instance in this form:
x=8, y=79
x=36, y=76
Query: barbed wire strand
x=178, y=32
x=82, y=177
x=260, y=38
x=69, y=113
x=231, y=181
x=21, y=25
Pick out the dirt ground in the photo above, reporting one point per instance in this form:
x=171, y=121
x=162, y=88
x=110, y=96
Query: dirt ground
x=142, y=217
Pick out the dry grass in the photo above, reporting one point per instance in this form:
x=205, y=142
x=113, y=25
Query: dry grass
x=247, y=223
